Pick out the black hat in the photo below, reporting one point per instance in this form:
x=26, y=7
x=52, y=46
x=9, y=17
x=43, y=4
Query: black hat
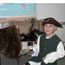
x=51, y=21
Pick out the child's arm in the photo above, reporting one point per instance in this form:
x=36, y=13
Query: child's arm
x=36, y=47
x=53, y=56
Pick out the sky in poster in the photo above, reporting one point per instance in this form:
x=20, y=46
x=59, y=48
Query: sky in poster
x=17, y=9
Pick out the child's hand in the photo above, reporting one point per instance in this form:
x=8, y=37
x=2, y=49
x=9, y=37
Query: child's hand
x=28, y=49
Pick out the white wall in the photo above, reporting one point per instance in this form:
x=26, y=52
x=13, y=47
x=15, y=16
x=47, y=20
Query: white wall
x=61, y=33
x=50, y=10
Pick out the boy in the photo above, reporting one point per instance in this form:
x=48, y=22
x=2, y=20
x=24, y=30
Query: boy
x=49, y=47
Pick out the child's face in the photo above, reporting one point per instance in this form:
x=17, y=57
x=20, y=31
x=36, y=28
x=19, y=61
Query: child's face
x=49, y=28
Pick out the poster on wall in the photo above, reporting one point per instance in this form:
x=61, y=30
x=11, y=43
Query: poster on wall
x=17, y=9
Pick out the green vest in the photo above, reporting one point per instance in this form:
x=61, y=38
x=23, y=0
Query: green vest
x=46, y=46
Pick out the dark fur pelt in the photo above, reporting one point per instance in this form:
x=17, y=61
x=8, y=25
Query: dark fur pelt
x=10, y=42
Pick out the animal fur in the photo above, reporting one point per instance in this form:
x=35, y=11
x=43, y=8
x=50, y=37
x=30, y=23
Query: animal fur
x=10, y=42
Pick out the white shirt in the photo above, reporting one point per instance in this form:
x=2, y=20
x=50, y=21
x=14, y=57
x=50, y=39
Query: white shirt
x=53, y=56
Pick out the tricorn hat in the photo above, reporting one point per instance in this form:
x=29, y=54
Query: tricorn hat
x=51, y=21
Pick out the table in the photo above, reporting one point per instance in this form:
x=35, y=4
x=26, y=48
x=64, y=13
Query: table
x=19, y=61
